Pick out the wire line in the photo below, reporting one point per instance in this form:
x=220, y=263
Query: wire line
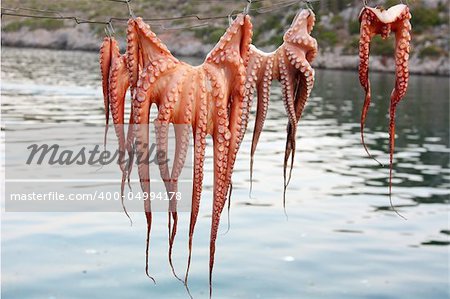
x=16, y=12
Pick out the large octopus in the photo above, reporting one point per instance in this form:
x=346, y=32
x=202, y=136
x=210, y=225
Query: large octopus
x=209, y=98
x=289, y=64
x=213, y=98
x=376, y=21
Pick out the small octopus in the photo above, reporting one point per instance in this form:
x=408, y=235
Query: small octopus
x=291, y=65
x=377, y=21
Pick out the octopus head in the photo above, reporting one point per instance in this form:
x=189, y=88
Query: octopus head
x=234, y=45
x=386, y=16
x=304, y=20
x=299, y=36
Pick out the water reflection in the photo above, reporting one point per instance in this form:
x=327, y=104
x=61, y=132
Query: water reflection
x=341, y=241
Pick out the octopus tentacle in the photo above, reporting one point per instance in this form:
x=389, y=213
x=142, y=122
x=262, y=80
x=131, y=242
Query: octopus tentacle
x=288, y=89
x=366, y=36
x=161, y=132
x=237, y=96
x=148, y=216
x=105, y=65
x=134, y=65
x=133, y=50
x=287, y=81
x=290, y=145
x=118, y=85
x=182, y=143
x=129, y=145
x=199, y=158
x=403, y=37
x=165, y=115
x=199, y=132
x=300, y=49
x=392, y=110
x=162, y=135
x=304, y=85
x=141, y=111
x=250, y=85
x=259, y=76
x=235, y=124
x=141, y=133
x=170, y=181
x=221, y=139
x=230, y=191
x=142, y=152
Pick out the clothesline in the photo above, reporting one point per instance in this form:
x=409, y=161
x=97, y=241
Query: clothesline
x=58, y=15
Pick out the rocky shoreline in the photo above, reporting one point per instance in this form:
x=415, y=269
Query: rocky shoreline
x=185, y=45
x=334, y=60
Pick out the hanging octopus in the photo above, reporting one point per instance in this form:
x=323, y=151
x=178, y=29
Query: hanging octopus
x=289, y=64
x=209, y=98
x=376, y=21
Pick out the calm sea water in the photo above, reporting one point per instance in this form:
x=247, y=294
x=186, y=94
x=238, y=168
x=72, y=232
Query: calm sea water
x=341, y=239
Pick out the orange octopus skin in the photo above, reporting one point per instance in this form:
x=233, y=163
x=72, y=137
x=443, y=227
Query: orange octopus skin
x=105, y=65
x=115, y=85
x=289, y=64
x=171, y=178
x=118, y=86
x=209, y=97
x=376, y=21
